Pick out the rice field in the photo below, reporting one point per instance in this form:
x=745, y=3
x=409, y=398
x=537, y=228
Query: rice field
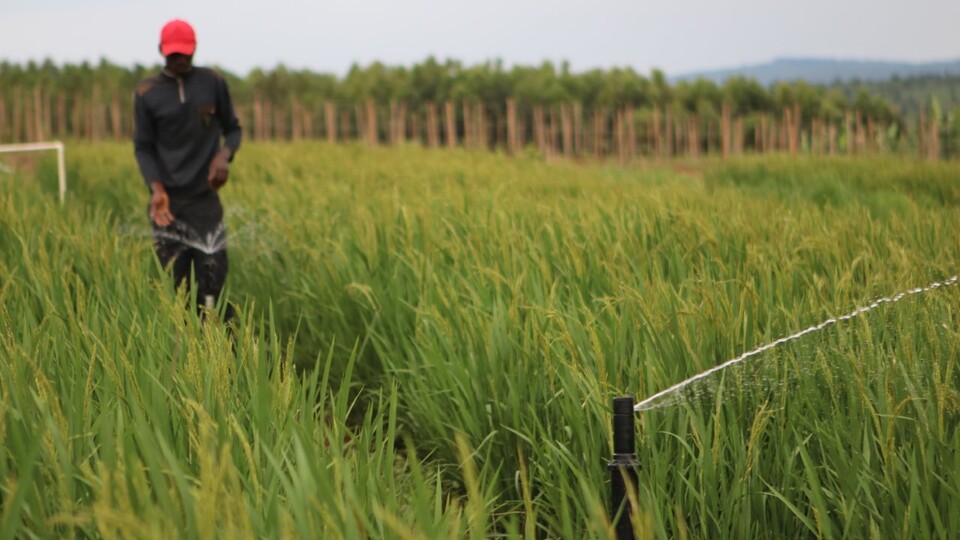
x=429, y=343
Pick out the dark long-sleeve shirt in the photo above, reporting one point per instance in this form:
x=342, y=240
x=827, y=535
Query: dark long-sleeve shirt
x=179, y=122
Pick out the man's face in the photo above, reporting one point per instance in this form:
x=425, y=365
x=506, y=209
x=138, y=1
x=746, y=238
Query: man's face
x=179, y=64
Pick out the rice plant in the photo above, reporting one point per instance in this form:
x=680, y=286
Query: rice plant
x=429, y=342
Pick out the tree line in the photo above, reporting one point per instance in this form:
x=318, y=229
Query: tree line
x=615, y=112
x=910, y=95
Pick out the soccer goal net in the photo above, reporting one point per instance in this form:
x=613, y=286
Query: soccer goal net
x=39, y=147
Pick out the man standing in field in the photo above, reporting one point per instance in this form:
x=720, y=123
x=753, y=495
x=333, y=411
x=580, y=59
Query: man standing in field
x=180, y=115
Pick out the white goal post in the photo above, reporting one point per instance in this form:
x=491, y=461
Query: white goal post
x=36, y=147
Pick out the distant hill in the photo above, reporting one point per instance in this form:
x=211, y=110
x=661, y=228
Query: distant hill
x=824, y=71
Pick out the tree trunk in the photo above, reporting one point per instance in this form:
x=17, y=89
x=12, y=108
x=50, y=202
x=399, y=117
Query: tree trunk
x=284, y=118
x=693, y=136
x=480, y=115
x=393, y=137
x=467, y=126
x=668, y=145
x=678, y=136
x=738, y=136
x=772, y=133
x=922, y=133
x=619, y=138
x=3, y=119
x=786, y=130
x=798, y=132
x=578, y=140
x=934, y=139
x=758, y=130
x=76, y=116
x=450, y=117
x=402, y=122
x=309, y=114
x=858, y=127
x=539, y=131
x=29, y=120
x=257, y=117
x=17, y=112
x=513, y=142
x=346, y=126
x=433, y=128
x=554, y=131
x=711, y=138
x=415, y=134
x=848, y=134
x=361, y=122
x=498, y=130
x=726, y=144
x=819, y=137
x=330, y=116
x=38, y=132
x=99, y=122
x=631, y=133
x=116, y=118
x=599, y=131
x=295, y=125
x=567, y=119
x=271, y=123
x=373, y=131
x=397, y=115
x=658, y=146
x=47, y=115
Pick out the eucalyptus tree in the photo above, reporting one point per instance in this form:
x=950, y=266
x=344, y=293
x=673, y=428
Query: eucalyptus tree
x=701, y=97
x=789, y=95
x=539, y=85
x=746, y=96
x=431, y=81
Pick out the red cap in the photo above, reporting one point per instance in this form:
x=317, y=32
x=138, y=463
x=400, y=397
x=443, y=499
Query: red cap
x=177, y=36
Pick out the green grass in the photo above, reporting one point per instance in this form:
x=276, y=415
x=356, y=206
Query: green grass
x=429, y=343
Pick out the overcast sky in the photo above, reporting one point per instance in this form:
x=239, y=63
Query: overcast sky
x=676, y=36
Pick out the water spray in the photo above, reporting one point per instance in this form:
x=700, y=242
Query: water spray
x=181, y=233
x=651, y=402
x=624, y=466
x=209, y=245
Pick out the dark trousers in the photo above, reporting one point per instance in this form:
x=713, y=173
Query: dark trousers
x=196, y=242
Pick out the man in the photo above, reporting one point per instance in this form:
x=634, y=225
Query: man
x=180, y=115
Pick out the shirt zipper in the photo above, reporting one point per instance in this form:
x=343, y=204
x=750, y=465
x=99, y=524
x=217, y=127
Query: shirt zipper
x=183, y=98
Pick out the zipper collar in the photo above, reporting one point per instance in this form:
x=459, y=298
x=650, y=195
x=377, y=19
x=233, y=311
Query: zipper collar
x=180, y=90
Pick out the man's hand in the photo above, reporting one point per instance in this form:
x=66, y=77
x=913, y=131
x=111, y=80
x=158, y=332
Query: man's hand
x=160, y=205
x=219, y=169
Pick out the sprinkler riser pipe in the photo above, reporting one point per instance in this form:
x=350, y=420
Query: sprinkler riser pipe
x=623, y=467
x=209, y=265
